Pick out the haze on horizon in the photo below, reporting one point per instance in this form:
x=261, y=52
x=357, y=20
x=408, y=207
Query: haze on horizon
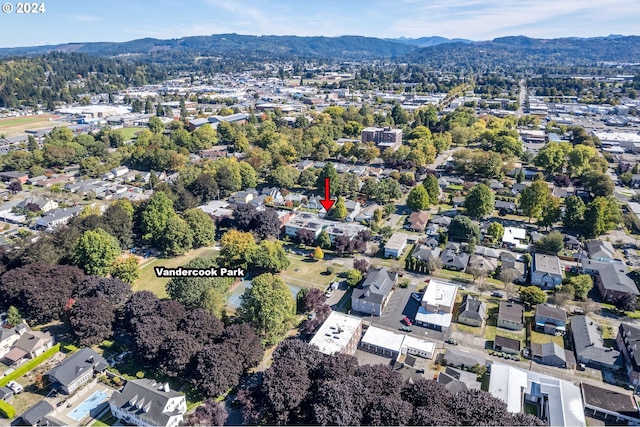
x=119, y=20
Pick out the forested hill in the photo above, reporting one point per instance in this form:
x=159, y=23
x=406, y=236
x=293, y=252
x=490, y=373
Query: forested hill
x=524, y=52
x=345, y=47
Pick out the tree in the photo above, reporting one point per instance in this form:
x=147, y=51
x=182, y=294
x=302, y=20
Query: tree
x=323, y=240
x=284, y=176
x=91, y=320
x=430, y=184
x=205, y=187
x=582, y=284
x=462, y=228
x=307, y=237
x=533, y=198
x=268, y=305
x=573, y=213
x=533, y=295
x=480, y=201
x=269, y=256
x=215, y=369
x=353, y=277
x=626, y=302
x=189, y=290
x=236, y=248
x=328, y=171
x=96, y=251
x=552, y=157
x=15, y=187
x=361, y=265
x=202, y=227
x=552, y=243
x=551, y=212
x=126, y=269
x=155, y=217
x=155, y=125
x=598, y=183
x=602, y=214
x=13, y=316
x=339, y=210
x=496, y=231
x=209, y=413
x=178, y=237
x=418, y=198
x=318, y=253
x=118, y=221
x=266, y=224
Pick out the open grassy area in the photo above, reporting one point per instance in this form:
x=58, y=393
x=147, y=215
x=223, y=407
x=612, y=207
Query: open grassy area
x=306, y=272
x=490, y=333
x=128, y=133
x=18, y=125
x=106, y=420
x=540, y=338
x=472, y=330
x=148, y=280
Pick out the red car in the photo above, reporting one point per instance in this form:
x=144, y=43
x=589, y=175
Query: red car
x=407, y=321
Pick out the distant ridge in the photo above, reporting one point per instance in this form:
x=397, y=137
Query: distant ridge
x=428, y=41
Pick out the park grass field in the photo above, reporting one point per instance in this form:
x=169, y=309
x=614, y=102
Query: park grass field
x=18, y=125
x=305, y=272
x=148, y=280
x=129, y=133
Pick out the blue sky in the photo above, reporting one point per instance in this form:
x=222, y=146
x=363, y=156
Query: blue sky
x=120, y=20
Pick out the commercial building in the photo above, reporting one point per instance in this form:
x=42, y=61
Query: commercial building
x=384, y=138
x=390, y=344
x=436, y=307
x=371, y=296
x=339, y=334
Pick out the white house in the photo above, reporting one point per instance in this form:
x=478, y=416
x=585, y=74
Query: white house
x=144, y=402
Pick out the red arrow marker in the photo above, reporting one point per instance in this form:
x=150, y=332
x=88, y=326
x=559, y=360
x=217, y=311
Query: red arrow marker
x=327, y=203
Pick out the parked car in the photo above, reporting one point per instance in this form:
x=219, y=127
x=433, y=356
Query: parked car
x=15, y=387
x=407, y=321
x=406, y=329
x=416, y=296
x=451, y=341
x=328, y=293
x=420, y=371
x=497, y=295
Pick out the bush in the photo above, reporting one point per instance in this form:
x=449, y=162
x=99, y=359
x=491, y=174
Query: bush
x=6, y=410
x=330, y=269
x=139, y=375
x=404, y=283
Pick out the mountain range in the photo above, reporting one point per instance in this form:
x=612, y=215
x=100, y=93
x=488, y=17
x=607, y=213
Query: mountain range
x=435, y=51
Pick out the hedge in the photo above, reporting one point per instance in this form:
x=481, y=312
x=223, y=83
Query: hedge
x=6, y=410
x=23, y=369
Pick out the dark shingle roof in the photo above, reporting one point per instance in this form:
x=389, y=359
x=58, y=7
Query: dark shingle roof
x=472, y=308
x=551, y=312
x=511, y=311
x=376, y=286
x=589, y=343
x=505, y=342
x=35, y=415
x=146, y=399
x=75, y=366
x=631, y=337
x=610, y=400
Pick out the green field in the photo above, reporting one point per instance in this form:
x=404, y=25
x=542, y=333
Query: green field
x=148, y=280
x=306, y=272
x=17, y=121
x=18, y=125
x=129, y=133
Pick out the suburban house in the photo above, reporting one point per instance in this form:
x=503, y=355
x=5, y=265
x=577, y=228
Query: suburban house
x=244, y=197
x=453, y=258
x=546, y=271
x=463, y=359
x=612, y=406
x=30, y=344
x=418, y=220
x=600, y=250
x=511, y=315
x=426, y=253
x=589, y=345
x=472, y=311
x=76, y=370
x=457, y=380
x=611, y=278
x=396, y=245
x=551, y=320
x=555, y=401
x=628, y=341
x=482, y=264
x=506, y=345
x=21, y=177
x=9, y=336
x=515, y=269
x=40, y=203
x=515, y=237
x=40, y=414
x=57, y=216
x=550, y=354
x=339, y=334
x=143, y=402
x=370, y=296
x=436, y=307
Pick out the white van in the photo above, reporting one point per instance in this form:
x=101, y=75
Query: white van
x=15, y=387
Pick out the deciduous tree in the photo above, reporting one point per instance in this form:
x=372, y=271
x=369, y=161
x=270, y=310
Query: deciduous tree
x=96, y=251
x=480, y=201
x=418, y=198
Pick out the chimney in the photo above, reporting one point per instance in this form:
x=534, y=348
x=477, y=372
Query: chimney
x=166, y=388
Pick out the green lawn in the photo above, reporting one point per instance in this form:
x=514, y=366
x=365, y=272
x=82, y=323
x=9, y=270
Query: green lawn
x=105, y=420
x=490, y=333
x=539, y=338
x=148, y=280
x=472, y=330
x=306, y=272
x=128, y=133
x=20, y=121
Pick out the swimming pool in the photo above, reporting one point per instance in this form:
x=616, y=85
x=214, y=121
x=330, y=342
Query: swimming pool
x=89, y=404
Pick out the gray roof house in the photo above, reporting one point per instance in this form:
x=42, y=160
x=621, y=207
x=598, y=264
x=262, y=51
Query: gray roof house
x=463, y=359
x=77, y=370
x=37, y=415
x=611, y=278
x=546, y=271
x=549, y=354
x=511, y=316
x=57, y=216
x=425, y=253
x=371, y=296
x=144, y=402
x=600, y=250
x=453, y=259
x=472, y=311
x=589, y=345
